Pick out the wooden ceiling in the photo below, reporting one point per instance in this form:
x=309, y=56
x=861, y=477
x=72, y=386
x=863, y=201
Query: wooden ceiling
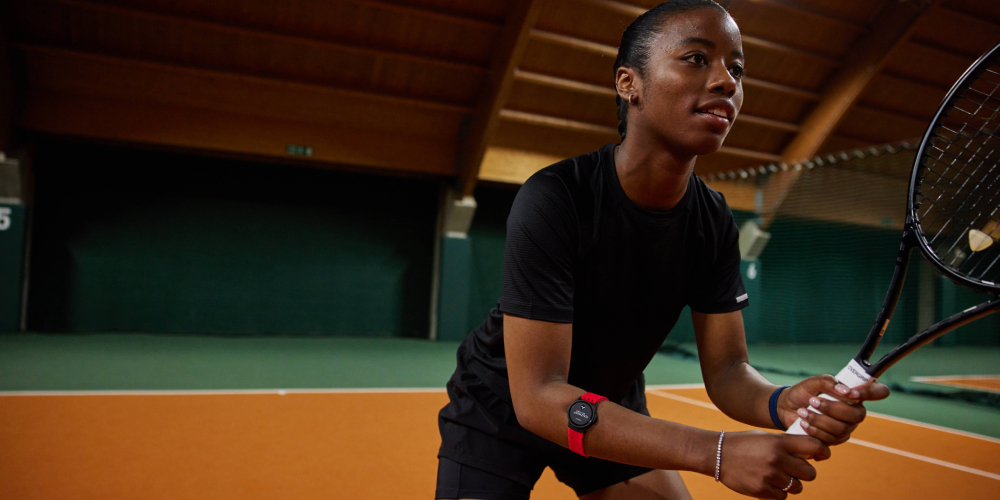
x=461, y=89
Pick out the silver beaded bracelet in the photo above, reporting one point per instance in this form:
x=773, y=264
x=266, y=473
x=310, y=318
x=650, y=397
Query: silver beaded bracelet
x=718, y=456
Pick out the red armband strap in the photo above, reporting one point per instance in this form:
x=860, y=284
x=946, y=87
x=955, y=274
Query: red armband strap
x=582, y=414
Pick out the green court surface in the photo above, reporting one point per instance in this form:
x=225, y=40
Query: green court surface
x=97, y=362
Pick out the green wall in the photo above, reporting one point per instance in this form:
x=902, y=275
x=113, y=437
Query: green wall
x=12, y=234
x=816, y=282
x=487, y=237
x=144, y=241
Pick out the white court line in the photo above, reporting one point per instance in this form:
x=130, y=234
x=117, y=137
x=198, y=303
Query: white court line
x=225, y=392
x=859, y=442
x=674, y=386
x=280, y=392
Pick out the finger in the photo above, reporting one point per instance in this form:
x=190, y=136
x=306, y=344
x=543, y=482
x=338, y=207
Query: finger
x=823, y=435
x=790, y=485
x=805, y=446
x=850, y=415
x=798, y=468
x=796, y=488
x=871, y=391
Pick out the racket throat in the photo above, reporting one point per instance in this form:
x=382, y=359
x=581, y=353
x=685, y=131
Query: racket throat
x=891, y=298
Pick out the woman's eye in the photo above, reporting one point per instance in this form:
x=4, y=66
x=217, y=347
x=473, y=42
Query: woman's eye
x=698, y=58
x=737, y=71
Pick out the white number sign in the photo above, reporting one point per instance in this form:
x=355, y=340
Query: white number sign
x=4, y=218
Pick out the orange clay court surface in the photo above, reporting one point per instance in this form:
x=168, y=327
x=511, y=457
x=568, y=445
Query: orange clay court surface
x=381, y=444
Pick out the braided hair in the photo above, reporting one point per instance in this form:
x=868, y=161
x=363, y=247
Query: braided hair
x=637, y=40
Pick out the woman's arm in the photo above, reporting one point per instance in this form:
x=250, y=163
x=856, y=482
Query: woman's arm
x=742, y=393
x=538, y=358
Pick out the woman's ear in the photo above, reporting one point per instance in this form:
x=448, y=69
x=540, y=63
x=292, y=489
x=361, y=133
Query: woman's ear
x=627, y=84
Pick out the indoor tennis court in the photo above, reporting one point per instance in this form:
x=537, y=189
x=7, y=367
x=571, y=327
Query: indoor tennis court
x=242, y=240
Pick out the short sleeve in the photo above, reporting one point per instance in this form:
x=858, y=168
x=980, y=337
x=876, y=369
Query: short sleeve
x=542, y=234
x=719, y=287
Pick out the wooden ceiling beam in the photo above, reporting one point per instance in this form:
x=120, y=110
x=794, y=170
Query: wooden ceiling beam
x=789, y=50
x=101, y=97
x=769, y=123
x=513, y=41
x=609, y=51
x=431, y=14
x=618, y=7
x=608, y=92
x=969, y=17
x=559, y=123
x=865, y=59
x=820, y=16
x=216, y=132
x=179, y=21
x=575, y=43
x=84, y=60
x=564, y=83
x=784, y=89
x=943, y=51
x=576, y=126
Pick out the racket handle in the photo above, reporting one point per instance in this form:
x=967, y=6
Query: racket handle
x=853, y=375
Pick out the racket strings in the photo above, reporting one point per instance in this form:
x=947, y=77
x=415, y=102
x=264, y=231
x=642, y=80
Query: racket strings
x=958, y=196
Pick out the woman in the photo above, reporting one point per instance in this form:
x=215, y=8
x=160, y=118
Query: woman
x=603, y=252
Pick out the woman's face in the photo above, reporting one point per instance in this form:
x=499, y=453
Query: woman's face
x=691, y=90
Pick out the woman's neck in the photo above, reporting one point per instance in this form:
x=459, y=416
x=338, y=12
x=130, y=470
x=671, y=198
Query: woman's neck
x=652, y=176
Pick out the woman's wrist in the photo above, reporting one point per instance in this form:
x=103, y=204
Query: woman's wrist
x=702, y=453
x=773, y=404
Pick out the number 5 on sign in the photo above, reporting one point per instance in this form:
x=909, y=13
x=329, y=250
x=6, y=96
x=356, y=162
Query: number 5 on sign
x=4, y=218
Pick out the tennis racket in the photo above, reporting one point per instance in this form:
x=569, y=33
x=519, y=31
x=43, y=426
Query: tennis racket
x=952, y=214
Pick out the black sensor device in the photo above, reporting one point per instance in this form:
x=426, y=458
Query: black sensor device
x=581, y=415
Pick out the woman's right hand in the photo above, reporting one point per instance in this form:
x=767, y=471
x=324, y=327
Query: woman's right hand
x=761, y=464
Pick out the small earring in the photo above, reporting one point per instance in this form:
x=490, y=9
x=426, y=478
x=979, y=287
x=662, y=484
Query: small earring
x=631, y=100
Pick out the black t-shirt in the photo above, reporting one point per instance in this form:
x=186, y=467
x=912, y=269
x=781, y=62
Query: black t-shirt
x=580, y=251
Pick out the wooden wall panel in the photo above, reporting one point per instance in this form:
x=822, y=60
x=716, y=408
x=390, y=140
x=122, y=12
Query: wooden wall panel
x=547, y=100
x=925, y=64
x=89, y=75
x=798, y=70
x=747, y=135
x=766, y=103
x=513, y=166
x=962, y=34
x=901, y=94
x=878, y=126
x=550, y=57
x=547, y=140
x=584, y=20
x=795, y=28
x=401, y=27
x=140, y=122
x=857, y=11
x=988, y=11
x=220, y=47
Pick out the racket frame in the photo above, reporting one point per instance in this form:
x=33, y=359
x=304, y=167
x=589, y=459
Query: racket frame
x=913, y=237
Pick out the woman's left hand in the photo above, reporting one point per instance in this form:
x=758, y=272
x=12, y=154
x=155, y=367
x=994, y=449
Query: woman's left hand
x=838, y=419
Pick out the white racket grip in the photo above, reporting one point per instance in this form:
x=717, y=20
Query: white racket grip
x=853, y=375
